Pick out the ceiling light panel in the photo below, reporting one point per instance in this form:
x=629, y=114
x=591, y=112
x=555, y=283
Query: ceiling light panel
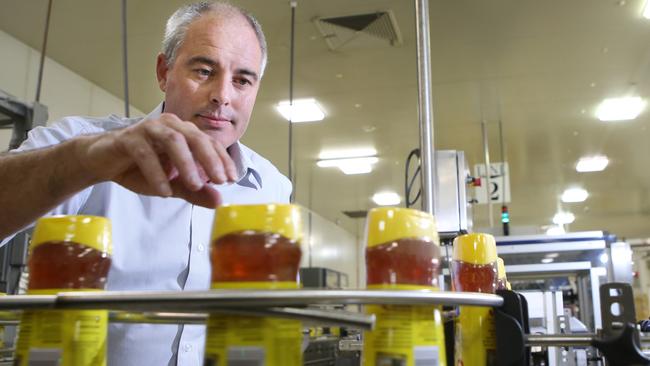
x=301, y=110
x=592, y=164
x=350, y=165
x=386, y=198
x=347, y=153
x=646, y=10
x=620, y=109
x=563, y=218
x=574, y=195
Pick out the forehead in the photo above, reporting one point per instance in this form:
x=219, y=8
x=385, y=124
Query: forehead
x=226, y=35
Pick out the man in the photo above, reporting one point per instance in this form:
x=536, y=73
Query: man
x=158, y=179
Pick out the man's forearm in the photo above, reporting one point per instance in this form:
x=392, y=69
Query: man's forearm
x=35, y=182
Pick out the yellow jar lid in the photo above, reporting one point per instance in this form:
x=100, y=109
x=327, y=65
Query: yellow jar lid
x=501, y=269
x=91, y=231
x=387, y=224
x=475, y=248
x=283, y=219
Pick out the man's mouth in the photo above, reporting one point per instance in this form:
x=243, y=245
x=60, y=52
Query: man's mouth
x=215, y=121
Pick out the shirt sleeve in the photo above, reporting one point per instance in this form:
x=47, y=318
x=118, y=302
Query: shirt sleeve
x=43, y=137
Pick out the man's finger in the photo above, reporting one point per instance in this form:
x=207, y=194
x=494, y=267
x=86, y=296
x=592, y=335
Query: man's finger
x=206, y=197
x=147, y=161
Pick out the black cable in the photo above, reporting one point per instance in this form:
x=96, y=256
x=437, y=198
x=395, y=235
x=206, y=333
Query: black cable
x=408, y=183
x=42, y=61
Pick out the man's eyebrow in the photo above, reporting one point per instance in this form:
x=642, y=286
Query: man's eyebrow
x=248, y=72
x=210, y=62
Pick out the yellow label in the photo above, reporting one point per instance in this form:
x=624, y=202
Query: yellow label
x=405, y=335
x=259, y=341
x=475, y=342
x=263, y=341
x=62, y=337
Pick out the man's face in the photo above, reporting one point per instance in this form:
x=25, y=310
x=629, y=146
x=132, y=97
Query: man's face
x=215, y=77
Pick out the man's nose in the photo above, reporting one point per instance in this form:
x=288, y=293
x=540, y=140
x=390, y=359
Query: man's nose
x=220, y=91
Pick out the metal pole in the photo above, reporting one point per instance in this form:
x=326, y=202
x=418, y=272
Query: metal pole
x=42, y=61
x=560, y=340
x=488, y=185
x=291, y=59
x=125, y=67
x=425, y=112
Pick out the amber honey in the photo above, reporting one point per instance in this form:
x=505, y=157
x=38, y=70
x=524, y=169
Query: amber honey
x=76, y=267
x=469, y=277
x=254, y=256
x=403, y=261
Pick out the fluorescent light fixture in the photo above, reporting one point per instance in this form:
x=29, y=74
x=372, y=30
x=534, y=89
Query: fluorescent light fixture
x=350, y=165
x=552, y=255
x=563, y=218
x=386, y=198
x=592, y=164
x=302, y=110
x=555, y=230
x=547, y=260
x=574, y=195
x=620, y=109
x=646, y=10
x=347, y=153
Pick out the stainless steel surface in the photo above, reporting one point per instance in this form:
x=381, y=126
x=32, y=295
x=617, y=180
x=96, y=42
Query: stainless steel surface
x=619, y=266
x=567, y=340
x=452, y=207
x=425, y=106
x=308, y=316
x=204, y=301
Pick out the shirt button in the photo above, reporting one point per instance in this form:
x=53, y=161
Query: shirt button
x=200, y=248
x=187, y=347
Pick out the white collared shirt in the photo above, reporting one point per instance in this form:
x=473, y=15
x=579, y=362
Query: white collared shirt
x=158, y=243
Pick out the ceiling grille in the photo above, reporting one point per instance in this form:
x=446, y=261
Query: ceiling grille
x=339, y=31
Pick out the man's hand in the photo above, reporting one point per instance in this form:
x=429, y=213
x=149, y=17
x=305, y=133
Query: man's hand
x=164, y=156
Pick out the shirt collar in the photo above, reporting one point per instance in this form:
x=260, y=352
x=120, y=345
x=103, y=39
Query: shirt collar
x=236, y=151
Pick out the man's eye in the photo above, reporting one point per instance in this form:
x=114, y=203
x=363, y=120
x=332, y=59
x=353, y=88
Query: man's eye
x=203, y=72
x=243, y=81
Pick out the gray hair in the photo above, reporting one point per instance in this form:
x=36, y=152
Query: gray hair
x=178, y=23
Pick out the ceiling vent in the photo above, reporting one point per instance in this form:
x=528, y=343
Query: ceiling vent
x=342, y=30
x=361, y=214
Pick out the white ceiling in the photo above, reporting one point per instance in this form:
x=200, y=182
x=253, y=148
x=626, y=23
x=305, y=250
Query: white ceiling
x=540, y=67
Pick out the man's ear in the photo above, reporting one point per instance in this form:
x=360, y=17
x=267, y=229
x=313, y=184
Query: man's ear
x=161, y=71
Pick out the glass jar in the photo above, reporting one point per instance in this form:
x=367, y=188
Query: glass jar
x=67, y=253
x=403, y=253
x=255, y=247
x=474, y=267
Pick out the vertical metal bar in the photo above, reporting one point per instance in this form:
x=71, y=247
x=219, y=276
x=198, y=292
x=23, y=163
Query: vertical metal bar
x=291, y=60
x=125, y=67
x=503, y=163
x=488, y=185
x=43, y=49
x=425, y=112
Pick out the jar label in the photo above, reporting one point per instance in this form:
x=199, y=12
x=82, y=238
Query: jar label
x=253, y=341
x=405, y=335
x=475, y=342
x=62, y=337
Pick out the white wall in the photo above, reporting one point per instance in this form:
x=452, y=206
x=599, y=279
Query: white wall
x=63, y=92
x=329, y=245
